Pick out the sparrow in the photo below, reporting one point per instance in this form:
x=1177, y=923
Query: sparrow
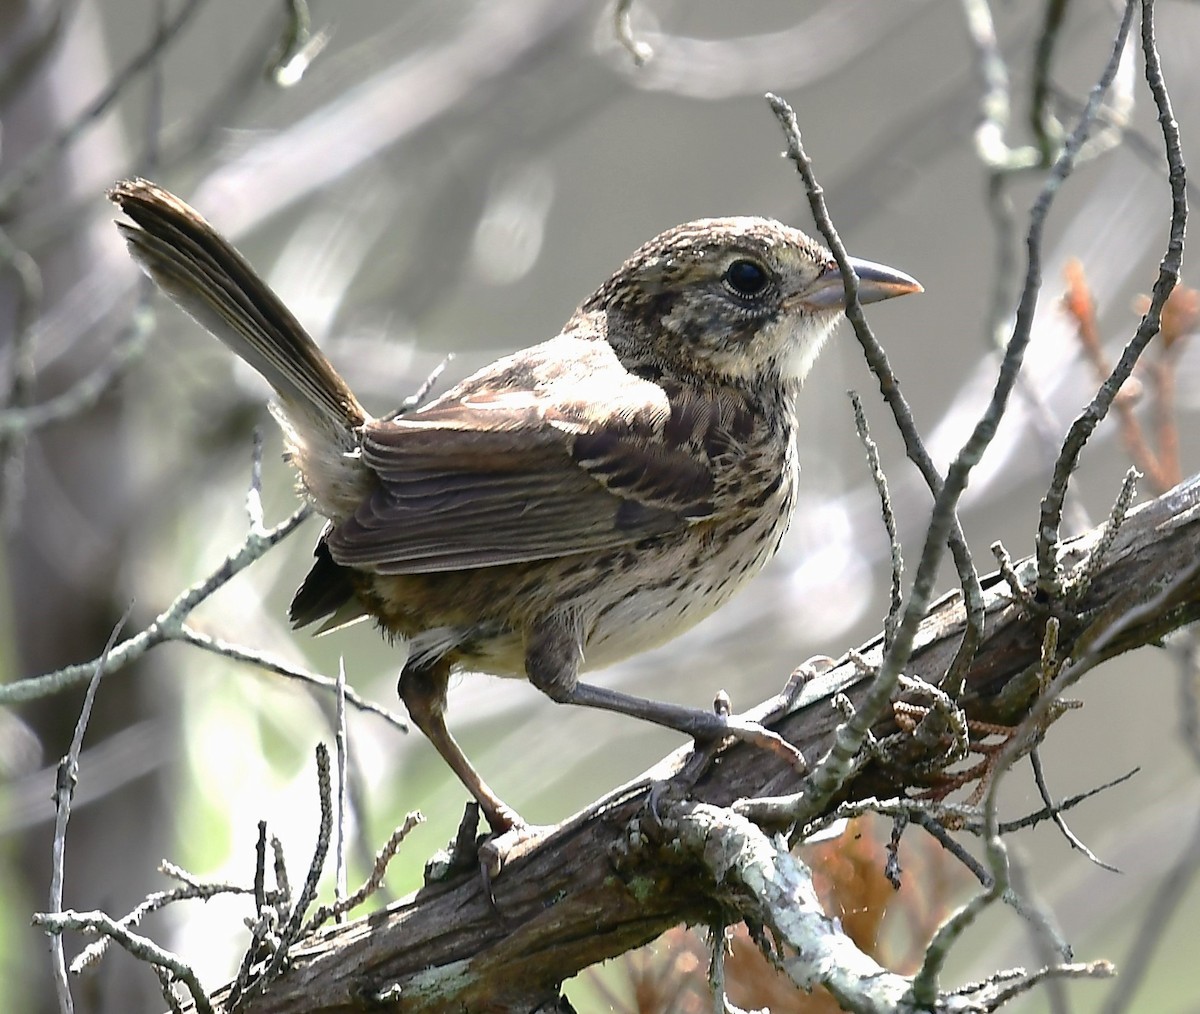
x=567, y=506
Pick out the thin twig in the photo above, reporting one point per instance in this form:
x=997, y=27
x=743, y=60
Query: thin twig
x=925, y=983
x=1112, y=527
x=260, y=869
x=373, y=882
x=1039, y=778
x=1049, y=582
x=1042, y=121
x=166, y=982
x=642, y=52
x=168, y=625
x=1037, y=816
x=943, y=529
x=343, y=765
x=889, y=519
x=1020, y=593
x=1079, y=304
x=995, y=104
x=270, y=663
x=171, y=623
x=298, y=47
x=139, y=946
x=64, y=789
x=282, y=882
x=293, y=929
x=266, y=919
x=193, y=889
x=889, y=387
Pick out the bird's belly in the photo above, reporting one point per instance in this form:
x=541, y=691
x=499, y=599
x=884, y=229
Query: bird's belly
x=628, y=600
x=678, y=588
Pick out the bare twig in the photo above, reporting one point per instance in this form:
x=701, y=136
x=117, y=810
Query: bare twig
x=166, y=983
x=139, y=946
x=944, y=528
x=889, y=520
x=269, y=663
x=373, y=882
x=298, y=46
x=1112, y=526
x=260, y=869
x=68, y=776
x=167, y=626
x=996, y=104
x=192, y=889
x=1168, y=275
x=925, y=984
x=1020, y=593
x=948, y=526
x=1039, y=777
x=264, y=923
x=293, y=929
x=1042, y=121
x=642, y=52
x=343, y=767
x=171, y=623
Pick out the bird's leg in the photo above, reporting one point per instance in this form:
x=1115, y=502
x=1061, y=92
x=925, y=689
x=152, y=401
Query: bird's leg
x=423, y=691
x=552, y=656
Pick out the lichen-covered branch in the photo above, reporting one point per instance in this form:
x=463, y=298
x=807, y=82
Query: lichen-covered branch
x=612, y=878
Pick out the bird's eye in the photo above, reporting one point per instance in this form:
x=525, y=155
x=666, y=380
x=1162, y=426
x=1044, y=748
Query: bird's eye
x=746, y=278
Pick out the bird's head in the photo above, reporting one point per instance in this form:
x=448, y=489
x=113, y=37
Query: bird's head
x=732, y=300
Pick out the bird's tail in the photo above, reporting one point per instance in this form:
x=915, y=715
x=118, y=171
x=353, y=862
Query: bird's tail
x=207, y=278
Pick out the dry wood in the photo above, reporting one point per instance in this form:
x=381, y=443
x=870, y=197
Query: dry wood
x=609, y=880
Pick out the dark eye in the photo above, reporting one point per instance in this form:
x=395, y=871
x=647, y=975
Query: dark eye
x=746, y=278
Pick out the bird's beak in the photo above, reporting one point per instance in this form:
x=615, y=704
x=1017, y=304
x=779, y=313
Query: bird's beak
x=875, y=282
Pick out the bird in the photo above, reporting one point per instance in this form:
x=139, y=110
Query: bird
x=567, y=506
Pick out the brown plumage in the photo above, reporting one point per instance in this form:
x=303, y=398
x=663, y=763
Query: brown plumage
x=569, y=505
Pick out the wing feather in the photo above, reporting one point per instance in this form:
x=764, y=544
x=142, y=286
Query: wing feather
x=530, y=462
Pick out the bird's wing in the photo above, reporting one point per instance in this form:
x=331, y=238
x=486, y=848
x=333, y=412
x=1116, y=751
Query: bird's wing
x=555, y=451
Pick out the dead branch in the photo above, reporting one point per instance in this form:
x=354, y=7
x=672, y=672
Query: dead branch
x=613, y=877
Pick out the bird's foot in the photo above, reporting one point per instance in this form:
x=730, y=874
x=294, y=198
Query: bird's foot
x=747, y=729
x=713, y=733
x=499, y=850
x=487, y=854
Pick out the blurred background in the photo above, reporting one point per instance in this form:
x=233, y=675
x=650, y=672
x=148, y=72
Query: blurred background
x=436, y=177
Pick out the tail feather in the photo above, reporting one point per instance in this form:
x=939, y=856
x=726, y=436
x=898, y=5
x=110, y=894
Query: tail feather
x=208, y=279
x=327, y=591
x=213, y=283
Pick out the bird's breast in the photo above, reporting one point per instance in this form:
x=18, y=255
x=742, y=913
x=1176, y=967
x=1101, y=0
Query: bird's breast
x=660, y=590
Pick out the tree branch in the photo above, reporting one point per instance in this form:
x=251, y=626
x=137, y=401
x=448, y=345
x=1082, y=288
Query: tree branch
x=612, y=877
